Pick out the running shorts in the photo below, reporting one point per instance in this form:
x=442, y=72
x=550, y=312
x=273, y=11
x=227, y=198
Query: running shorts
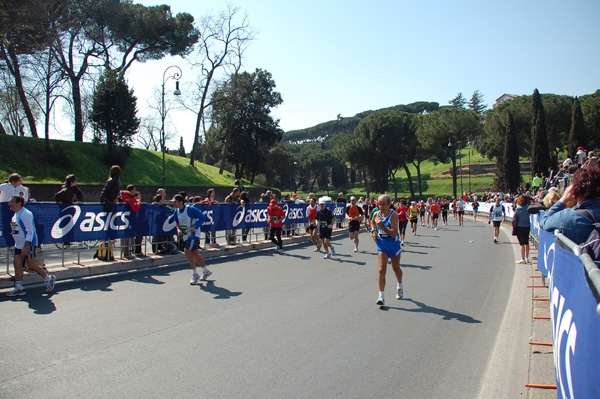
x=324, y=232
x=461, y=213
x=496, y=223
x=402, y=227
x=391, y=248
x=192, y=245
x=353, y=225
x=435, y=216
x=30, y=253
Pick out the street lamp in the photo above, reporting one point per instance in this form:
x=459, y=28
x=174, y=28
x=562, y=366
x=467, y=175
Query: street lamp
x=163, y=113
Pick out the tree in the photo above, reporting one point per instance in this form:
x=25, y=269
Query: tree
x=510, y=170
x=181, y=151
x=241, y=111
x=590, y=106
x=476, y=103
x=222, y=45
x=577, y=137
x=540, y=152
x=458, y=102
x=448, y=130
x=114, y=110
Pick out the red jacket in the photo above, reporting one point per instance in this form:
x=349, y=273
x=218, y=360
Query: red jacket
x=130, y=199
x=274, y=214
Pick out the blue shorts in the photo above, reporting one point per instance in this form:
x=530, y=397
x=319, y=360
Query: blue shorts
x=192, y=245
x=391, y=248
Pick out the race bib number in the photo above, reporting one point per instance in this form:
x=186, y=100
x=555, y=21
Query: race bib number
x=273, y=218
x=323, y=224
x=14, y=227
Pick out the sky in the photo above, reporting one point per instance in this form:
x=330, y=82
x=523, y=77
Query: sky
x=344, y=57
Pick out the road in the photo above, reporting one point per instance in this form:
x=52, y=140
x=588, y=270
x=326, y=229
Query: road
x=275, y=326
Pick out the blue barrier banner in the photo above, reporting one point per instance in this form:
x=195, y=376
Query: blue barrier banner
x=86, y=222
x=575, y=324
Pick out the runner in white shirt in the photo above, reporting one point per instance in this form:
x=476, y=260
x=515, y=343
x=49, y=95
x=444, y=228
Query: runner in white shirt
x=497, y=215
x=23, y=232
x=460, y=206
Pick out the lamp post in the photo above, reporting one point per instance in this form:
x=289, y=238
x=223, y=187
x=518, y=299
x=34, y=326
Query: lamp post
x=460, y=163
x=163, y=113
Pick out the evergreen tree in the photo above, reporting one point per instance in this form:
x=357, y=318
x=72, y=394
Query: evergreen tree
x=511, y=167
x=577, y=138
x=181, y=148
x=476, y=103
x=540, y=150
x=114, y=111
x=458, y=102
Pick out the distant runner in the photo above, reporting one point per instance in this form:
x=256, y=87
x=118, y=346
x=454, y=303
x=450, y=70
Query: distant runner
x=355, y=215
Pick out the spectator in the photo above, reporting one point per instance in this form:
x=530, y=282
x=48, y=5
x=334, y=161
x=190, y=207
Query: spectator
x=69, y=191
x=245, y=199
x=129, y=197
x=522, y=229
x=576, y=210
x=210, y=237
x=234, y=199
x=266, y=198
x=162, y=244
x=162, y=193
x=112, y=188
x=14, y=186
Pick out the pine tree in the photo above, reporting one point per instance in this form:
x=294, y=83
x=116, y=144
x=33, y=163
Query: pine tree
x=181, y=148
x=540, y=150
x=458, y=102
x=511, y=167
x=577, y=138
x=476, y=103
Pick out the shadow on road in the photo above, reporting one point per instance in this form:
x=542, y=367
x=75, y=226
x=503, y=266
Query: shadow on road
x=38, y=302
x=423, y=308
x=416, y=266
x=218, y=292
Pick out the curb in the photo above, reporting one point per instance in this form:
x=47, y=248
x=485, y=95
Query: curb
x=97, y=268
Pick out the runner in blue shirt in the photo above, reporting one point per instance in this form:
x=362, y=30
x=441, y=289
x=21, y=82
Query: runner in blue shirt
x=189, y=220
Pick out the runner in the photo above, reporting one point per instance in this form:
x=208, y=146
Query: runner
x=422, y=210
x=428, y=203
x=475, y=206
x=460, y=205
x=497, y=215
x=355, y=215
x=445, y=208
x=413, y=216
x=325, y=218
x=385, y=234
x=276, y=216
x=188, y=221
x=402, y=211
x=435, y=214
x=454, y=209
x=311, y=214
x=23, y=232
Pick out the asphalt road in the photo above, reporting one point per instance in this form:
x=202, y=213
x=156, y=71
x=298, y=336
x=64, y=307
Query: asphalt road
x=273, y=326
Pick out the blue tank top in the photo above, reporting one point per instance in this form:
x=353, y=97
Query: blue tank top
x=387, y=222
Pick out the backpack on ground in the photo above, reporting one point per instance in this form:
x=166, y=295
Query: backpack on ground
x=105, y=251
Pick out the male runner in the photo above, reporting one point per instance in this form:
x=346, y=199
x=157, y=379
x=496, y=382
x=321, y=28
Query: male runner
x=435, y=214
x=497, y=215
x=355, y=215
x=325, y=218
x=413, y=216
x=188, y=221
x=402, y=211
x=460, y=205
x=311, y=214
x=24, y=234
x=276, y=216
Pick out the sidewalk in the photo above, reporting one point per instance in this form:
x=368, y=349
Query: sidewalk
x=80, y=264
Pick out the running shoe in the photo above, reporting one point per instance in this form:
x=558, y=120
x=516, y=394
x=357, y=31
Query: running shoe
x=327, y=256
x=495, y=240
x=527, y=260
x=280, y=251
x=380, y=301
x=355, y=249
x=195, y=279
x=17, y=292
x=332, y=250
x=50, y=284
x=205, y=275
x=400, y=293
x=317, y=249
x=521, y=262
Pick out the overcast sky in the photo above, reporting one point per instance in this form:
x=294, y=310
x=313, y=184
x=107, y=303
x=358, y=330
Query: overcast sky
x=344, y=57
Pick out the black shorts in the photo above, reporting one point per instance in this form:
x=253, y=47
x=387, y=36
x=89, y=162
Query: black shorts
x=523, y=235
x=435, y=216
x=353, y=225
x=30, y=253
x=324, y=232
x=311, y=228
x=460, y=213
x=497, y=223
x=414, y=221
x=402, y=226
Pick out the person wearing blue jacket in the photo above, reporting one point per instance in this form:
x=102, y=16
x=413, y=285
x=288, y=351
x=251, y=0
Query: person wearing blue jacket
x=188, y=221
x=575, y=212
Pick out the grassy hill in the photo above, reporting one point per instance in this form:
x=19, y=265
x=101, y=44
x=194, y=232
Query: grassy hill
x=26, y=156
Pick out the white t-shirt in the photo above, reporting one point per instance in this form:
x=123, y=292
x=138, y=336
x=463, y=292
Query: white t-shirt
x=7, y=190
x=23, y=228
x=497, y=212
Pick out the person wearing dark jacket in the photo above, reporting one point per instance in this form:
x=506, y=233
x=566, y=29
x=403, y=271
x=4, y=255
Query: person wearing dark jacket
x=133, y=199
x=69, y=191
x=112, y=188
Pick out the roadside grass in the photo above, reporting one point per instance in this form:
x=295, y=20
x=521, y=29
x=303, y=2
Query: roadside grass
x=27, y=156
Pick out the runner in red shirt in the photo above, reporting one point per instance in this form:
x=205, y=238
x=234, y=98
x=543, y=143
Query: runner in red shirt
x=311, y=214
x=276, y=216
x=435, y=214
x=402, y=211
